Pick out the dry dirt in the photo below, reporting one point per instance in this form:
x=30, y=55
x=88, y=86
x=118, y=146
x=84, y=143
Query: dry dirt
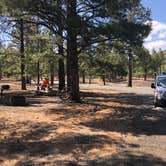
x=114, y=126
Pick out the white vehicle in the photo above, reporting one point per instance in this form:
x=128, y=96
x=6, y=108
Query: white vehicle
x=160, y=90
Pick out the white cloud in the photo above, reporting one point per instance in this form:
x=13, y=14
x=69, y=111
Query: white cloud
x=156, y=45
x=149, y=38
x=162, y=35
x=157, y=37
x=158, y=27
x=158, y=31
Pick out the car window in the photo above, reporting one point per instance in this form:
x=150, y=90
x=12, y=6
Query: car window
x=161, y=81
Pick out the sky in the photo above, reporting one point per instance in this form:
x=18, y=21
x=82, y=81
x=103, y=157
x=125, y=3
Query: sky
x=157, y=38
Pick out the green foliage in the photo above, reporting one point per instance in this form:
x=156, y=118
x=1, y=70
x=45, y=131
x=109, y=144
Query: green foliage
x=142, y=61
x=10, y=62
x=40, y=48
x=158, y=61
x=100, y=61
x=146, y=63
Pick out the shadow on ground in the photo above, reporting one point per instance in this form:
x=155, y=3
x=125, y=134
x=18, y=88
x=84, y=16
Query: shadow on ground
x=122, y=98
x=129, y=159
x=138, y=115
x=31, y=144
x=34, y=148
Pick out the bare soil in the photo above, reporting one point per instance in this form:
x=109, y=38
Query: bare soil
x=113, y=126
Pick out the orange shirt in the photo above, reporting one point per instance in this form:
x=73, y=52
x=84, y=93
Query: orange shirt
x=45, y=82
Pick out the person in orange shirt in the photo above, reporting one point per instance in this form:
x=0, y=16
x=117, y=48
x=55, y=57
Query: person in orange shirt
x=45, y=83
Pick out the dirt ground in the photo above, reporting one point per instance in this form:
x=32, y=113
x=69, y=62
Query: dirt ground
x=114, y=126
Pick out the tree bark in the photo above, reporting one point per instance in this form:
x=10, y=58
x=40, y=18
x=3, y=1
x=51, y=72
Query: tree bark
x=61, y=65
x=0, y=72
x=72, y=56
x=145, y=77
x=68, y=68
x=90, y=79
x=23, y=80
x=130, y=66
x=61, y=73
x=103, y=77
x=83, y=77
x=145, y=74
x=52, y=73
x=38, y=73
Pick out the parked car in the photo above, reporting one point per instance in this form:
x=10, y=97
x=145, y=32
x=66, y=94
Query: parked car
x=159, y=90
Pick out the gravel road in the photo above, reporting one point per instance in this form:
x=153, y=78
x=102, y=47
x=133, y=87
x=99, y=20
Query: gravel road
x=148, y=147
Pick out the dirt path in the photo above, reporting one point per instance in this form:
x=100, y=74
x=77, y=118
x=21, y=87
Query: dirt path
x=114, y=126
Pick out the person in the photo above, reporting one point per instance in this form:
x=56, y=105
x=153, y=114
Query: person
x=45, y=83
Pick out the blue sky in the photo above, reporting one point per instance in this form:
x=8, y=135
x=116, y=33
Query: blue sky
x=158, y=8
x=157, y=37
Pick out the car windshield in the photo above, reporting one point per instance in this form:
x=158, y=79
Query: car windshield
x=161, y=81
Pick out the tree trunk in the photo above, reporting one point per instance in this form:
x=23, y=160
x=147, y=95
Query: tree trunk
x=52, y=73
x=68, y=68
x=72, y=50
x=103, y=77
x=61, y=66
x=83, y=77
x=0, y=72
x=61, y=73
x=160, y=68
x=23, y=80
x=130, y=66
x=145, y=75
x=38, y=73
x=90, y=79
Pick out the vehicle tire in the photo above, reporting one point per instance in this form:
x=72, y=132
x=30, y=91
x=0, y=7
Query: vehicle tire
x=155, y=105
